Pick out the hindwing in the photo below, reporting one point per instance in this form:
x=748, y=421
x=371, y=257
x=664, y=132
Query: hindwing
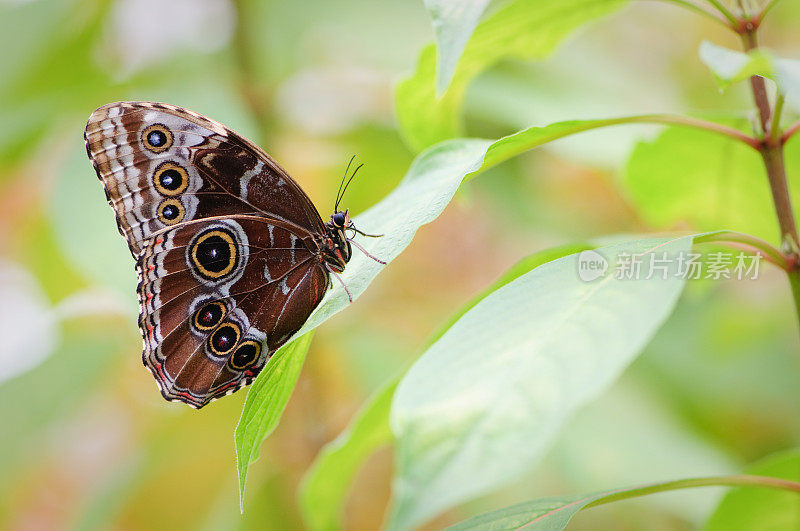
x=219, y=296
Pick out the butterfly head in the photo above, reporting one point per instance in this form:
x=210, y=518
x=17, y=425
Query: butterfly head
x=337, y=250
x=340, y=220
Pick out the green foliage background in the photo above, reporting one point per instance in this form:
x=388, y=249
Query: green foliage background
x=86, y=440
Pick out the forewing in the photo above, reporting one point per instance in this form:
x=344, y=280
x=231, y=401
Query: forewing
x=162, y=165
x=218, y=297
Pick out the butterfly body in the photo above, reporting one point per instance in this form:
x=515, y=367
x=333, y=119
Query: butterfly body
x=231, y=254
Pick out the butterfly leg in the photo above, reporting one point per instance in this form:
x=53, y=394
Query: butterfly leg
x=360, y=248
x=361, y=232
x=334, y=273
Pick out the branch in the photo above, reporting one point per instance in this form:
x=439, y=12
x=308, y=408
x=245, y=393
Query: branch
x=725, y=12
x=729, y=481
x=790, y=131
x=776, y=173
x=770, y=252
x=764, y=11
x=696, y=123
x=256, y=100
x=697, y=9
x=757, y=84
x=775, y=128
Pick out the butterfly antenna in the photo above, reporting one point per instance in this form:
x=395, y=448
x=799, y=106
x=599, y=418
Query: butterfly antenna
x=339, y=194
x=346, y=185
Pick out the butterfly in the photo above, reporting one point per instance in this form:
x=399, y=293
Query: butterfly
x=231, y=255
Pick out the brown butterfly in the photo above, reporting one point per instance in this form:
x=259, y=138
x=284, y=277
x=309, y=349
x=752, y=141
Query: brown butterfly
x=231, y=254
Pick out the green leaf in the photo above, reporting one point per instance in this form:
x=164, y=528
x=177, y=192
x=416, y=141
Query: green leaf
x=730, y=66
x=265, y=402
x=453, y=21
x=325, y=485
x=553, y=514
x=708, y=181
x=525, y=265
x=762, y=509
x=520, y=30
x=480, y=407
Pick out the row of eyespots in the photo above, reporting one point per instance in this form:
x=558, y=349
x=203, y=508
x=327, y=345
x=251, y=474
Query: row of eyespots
x=169, y=179
x=226, y=336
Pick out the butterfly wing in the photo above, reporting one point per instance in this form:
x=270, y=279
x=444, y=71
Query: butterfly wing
x=218, y=297
x=162, y=165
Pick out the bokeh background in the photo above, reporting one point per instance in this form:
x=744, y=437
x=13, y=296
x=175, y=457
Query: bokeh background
x=85, y=439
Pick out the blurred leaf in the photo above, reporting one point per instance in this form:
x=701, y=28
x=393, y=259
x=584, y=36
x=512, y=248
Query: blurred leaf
x=38, y=249
x=61, y=77
x=788, y=78
x=53, y=389
x=325, y=485
x=762, y=509
x=265, y=402
x=453, y=21
x=706, y=180
x=111, y=495
x=521, y=30
x=480, y=407
x=553, y=514
x=82, y=220
x=27, y=323
x=730, y=66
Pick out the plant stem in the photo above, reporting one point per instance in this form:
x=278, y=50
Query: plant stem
x=724, y=481
x=765, y=9
x=724, y=10
x=769, y=252
x=771, y=150
x=256, y=100
x=696, y=123
x=757, y=83
x=502, y=150
x=697, y=9
x=770, y=147
x=794, y=282
x=775, y=128
x=791, y=130
x=776, y=173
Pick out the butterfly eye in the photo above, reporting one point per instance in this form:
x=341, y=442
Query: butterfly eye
x=338, y=219
x=209, y=316
x=157, y=138
x=170, y=179
x=224, y=339
x=214, y=254
x=246, y=355
x=170, y=211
